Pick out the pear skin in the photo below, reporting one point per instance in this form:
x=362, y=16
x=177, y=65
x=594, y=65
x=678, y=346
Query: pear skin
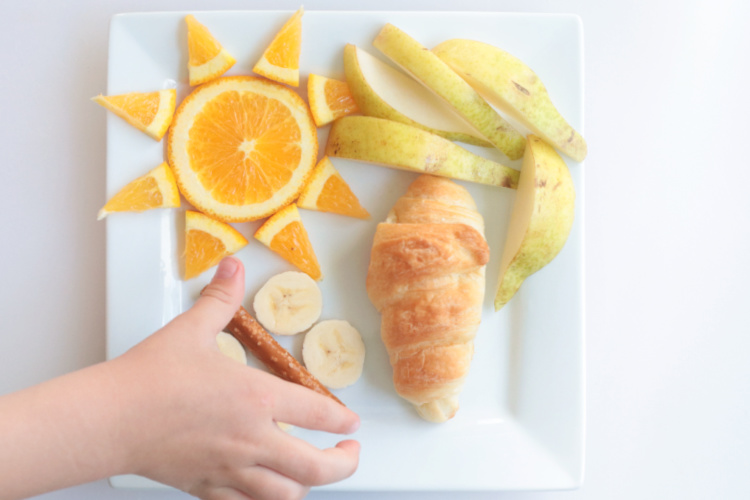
x=510, y=85
x=437, y=76
x=541, y=218
x=385, y=92
x=401, y=146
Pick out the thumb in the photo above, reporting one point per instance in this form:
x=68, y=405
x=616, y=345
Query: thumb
x=219, y=300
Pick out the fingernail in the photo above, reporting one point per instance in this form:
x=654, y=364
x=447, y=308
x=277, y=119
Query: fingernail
x=227, y=268
x=354, y=427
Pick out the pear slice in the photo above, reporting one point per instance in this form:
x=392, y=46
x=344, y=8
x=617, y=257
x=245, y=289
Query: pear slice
x=509, y=84
x=541, y=219
x=385, y=92
x=433, y=73
x=401, y=146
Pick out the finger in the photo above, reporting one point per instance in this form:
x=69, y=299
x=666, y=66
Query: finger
x=219, y=300
x=350, y=446
x=303, y=407
x=309, y=465
x=261, y=483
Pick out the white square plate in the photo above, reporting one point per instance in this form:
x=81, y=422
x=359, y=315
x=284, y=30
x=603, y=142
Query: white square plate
x=521, y=422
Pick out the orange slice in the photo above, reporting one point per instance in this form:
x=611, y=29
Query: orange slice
x=149, y=112
x=207, y=59
x=242, y=147
x=327, y=191
x=156, y=189
x=280, y=61
x=329, y=99
x=284, y=233
x=207, y=241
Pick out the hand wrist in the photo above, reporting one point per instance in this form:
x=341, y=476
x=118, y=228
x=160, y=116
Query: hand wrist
x=68, y=427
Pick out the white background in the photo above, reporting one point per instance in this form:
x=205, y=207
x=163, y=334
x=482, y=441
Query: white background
x=667, y=229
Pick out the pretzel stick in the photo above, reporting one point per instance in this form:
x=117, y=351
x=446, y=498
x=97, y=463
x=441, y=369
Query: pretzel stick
x=277, y=359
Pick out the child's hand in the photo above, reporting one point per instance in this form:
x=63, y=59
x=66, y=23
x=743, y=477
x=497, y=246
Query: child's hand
x=199, y=421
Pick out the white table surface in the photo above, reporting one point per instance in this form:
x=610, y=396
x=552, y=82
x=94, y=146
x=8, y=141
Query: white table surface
x=667, y=244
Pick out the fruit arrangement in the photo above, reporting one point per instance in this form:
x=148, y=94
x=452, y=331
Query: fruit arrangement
x=245, y=148
x=240, y=148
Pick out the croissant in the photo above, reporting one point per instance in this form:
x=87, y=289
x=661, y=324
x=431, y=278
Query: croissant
x=426, y=278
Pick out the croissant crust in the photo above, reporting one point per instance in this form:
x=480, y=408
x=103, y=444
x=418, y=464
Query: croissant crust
x=426, y=278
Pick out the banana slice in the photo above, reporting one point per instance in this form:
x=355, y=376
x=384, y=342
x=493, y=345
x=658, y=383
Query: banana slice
x=333, y=352
x=288, y=303
x=285, y=427
x=231, y=347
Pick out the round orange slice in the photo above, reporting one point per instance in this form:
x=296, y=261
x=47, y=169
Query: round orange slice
x=329, y=99
x=284, y=233
x=327, y=191
x=156, y=189
x=242, y=147
x=149, y=112
x=207, y=58
x=280, y=61
x=207, y=241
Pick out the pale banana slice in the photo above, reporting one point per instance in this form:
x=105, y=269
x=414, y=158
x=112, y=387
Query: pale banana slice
x=333, y=352
x=231, y=347
x=285, y=427
x=289, y=303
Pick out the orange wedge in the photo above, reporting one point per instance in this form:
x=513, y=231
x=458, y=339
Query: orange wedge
x=327, y=191
x=149, y=112
x=329, y=99
x=156, y=189
x=207, y=59
x=242, y=147
x=284, y=233
x=280, y=61
x=207, y=241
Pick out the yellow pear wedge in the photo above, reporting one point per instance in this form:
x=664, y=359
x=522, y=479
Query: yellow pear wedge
x=509, y=84
x=382, y=91
x=433, y=73
x=401, y=146
x=541, y=218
